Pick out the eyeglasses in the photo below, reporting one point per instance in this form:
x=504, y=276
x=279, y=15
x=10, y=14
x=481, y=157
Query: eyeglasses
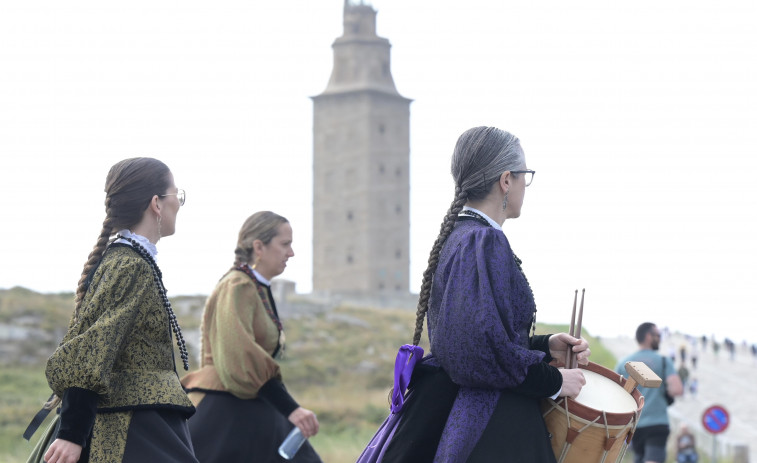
x=180, y=194
x=529, y=175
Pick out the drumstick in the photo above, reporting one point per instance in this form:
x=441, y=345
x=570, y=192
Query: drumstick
x=572, y=325
x=574, y=361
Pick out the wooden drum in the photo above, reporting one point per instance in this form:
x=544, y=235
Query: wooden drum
x=597, y=426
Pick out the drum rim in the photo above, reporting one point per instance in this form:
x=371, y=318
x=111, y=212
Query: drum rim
x=590, y=414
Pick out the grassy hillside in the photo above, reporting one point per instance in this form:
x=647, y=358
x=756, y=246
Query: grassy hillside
x=339, y=363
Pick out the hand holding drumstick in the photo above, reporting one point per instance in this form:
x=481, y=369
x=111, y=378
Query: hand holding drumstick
x=561, y=345
x=574, y=350
x=571, y=347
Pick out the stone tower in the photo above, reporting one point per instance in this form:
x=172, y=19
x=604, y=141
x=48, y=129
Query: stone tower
x=361, y=168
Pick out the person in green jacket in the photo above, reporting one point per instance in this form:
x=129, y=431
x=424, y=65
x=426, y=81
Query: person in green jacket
x=114, y=371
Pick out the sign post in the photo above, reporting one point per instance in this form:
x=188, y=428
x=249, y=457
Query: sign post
x=715, y=419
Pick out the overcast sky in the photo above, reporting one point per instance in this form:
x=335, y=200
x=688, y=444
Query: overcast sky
x=640, y=120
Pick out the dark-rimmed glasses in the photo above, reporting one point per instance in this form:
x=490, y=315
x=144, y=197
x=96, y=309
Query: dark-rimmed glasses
x=529, y=175
x=180, y=194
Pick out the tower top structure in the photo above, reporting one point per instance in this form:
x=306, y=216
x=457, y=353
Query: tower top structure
x=361, y=57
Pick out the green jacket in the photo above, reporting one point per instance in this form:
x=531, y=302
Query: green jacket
x=119, y=351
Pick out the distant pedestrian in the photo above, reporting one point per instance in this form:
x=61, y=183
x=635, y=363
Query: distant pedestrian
x=731, y=348
x=683, y=373
x=686, y=446
x=682, y=352
x=754, y=352
x=653, y=427
x=694, y=357
x=694, y=387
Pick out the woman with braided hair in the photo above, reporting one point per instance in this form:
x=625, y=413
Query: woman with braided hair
x=244, y=411
x=476, y=398
x=114, y=371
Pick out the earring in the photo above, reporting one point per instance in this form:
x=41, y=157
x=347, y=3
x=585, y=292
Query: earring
x=160, y=235
x=504, y=203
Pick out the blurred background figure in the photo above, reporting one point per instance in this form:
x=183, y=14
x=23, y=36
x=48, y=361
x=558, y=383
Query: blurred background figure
x=686, y=446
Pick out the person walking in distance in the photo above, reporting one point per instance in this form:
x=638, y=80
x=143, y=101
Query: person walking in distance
x=653, y=428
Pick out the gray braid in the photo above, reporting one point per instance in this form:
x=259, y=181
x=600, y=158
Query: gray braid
x=461, y=197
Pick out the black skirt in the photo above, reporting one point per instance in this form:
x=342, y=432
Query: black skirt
x=515, y=432
x=158, y=435
x=228, y=429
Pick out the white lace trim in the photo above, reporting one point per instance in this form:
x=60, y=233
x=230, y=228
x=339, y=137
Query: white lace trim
x=139, y=239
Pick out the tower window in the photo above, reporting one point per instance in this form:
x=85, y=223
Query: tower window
x=381, y=168
x=398, y=253
x=381, y=128
x=398, y=209
x=349, y=258
x=349, y=215
x=398, y=172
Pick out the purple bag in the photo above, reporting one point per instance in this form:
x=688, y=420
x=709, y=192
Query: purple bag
x=407, y=357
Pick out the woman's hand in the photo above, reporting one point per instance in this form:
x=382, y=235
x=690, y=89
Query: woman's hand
x=561, y=343
x=63, y=451
x=572, y=382
x=305, y=420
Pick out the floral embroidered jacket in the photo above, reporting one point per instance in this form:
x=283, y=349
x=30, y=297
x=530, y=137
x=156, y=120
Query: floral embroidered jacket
x=116, y=357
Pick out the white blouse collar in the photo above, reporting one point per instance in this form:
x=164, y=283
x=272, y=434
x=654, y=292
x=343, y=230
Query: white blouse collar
x=488, y=219
x=260, y=277
x=139, y=239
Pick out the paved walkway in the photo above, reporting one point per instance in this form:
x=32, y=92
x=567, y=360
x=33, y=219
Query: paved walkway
x=723, y=381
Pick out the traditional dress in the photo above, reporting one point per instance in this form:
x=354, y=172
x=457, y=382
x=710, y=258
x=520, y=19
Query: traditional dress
x=242, y=404
x=476, y=398
x=115, y=370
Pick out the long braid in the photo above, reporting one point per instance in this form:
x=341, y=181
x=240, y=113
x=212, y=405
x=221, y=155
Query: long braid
x=81, y=289
x=461, y=197
x=92, y=260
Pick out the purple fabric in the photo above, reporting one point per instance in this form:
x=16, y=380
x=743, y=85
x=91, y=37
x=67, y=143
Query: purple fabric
x=407, y=357
x=376, y=448
x=471, y=406
x=479, y=317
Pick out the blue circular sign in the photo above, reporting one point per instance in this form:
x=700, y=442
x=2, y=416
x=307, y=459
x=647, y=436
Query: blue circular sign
x=715, y=419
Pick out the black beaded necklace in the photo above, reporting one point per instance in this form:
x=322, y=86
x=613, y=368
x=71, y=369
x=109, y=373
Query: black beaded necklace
x=157, y=275
x=518, y=262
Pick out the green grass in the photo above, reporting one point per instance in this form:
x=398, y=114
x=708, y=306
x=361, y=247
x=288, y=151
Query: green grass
x=23, y=390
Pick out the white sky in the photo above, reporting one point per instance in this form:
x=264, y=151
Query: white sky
x=639, y=120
